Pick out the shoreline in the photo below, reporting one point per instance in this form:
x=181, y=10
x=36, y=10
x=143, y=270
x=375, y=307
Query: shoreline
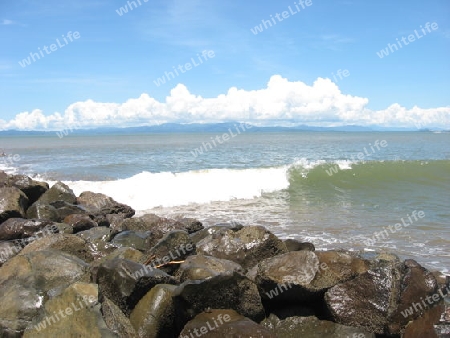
x=162, y=277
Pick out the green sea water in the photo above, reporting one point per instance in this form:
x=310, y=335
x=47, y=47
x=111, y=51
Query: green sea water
x=334, y=189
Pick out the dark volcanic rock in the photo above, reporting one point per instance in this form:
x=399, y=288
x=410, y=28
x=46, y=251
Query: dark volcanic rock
x=311, y=327
x=4, y=178
x=43, y=211
x=8, y=249
x=288, y=277
x=154, y=316
x=175, y=245
x=80, y=222
x=221, y=227
x=82, y=300
x=424, y=326
x=13, y=203
x=369, y=299
x=224, y=323
x=191, y=225
x=134, y=239
x=300, y=276
x=70, y=244
x=99, y=240
x=337, y=267
x=416, y=284
x=116, y=320
x=27, y=279
x=65, y=209
x=32, y=189
x=15, y=228
x=226, y=291
x=158, y=226
x=198, y=267
x=247, y=246
x=58, y=192
x=100, y=204
x=294, y=245
x=126, y=282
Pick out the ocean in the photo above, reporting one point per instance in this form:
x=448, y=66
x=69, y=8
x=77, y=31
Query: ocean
x=367, y=191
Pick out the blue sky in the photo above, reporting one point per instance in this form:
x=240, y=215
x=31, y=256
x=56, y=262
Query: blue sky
x=287, y=72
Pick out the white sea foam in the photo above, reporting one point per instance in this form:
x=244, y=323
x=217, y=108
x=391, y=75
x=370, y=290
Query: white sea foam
x=147, y=190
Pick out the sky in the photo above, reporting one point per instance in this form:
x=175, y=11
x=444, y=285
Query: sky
x=102, y=63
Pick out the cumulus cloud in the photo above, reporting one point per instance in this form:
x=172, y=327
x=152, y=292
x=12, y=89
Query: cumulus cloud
x=282, y=102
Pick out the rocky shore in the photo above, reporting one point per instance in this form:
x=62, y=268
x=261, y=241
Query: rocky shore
x=83, y=266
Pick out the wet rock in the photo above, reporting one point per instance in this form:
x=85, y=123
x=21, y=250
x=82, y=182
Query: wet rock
x=247, y=246
x=300, y=276
x=416, y=285
x=31, y=188
x=70, y=244
x=116, y=320
x=294, y=245
x=154, y=315
x=28, y=279
x=96, y=235
x=158, y=226
x=8, y=249
x=43, y=270
x=19, y=306
x=126, y=282
x=424, y=325
x=134, y=239
x=134, y=224
x=16, y=228
x=174, y=246
x=65, y=209
x=120, y=253
x=311, y=327
x=80, y=222
x=198, y=267
x=337, y=267
x=43, y=211
x=123, y=253
x=368, y=300
x=150, y=222
x=100, y=204
x=99, y=240
x=225, y=291
x=114, y=222
x=221, y=227
x=74, y=313
x=63, y=228
x=224, y=323
x=288, y=277
x=191, y=225
x=161, y=225
x=58, y=192
x=4, y=177
x=13, y=203
x=442, y=328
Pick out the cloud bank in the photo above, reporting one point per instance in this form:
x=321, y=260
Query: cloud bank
x=282, y=102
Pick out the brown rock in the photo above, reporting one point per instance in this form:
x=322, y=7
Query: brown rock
x=80, y=222
x=246, y=247
x=224, y=323
x=13, y=203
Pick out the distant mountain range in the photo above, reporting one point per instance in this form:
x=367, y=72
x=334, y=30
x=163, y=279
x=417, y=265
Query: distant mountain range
x=209, y=127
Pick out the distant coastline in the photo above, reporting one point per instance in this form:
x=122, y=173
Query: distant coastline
x=218, y=127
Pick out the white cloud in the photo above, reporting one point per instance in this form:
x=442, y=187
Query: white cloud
x=7, y=22
x=282, y=101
